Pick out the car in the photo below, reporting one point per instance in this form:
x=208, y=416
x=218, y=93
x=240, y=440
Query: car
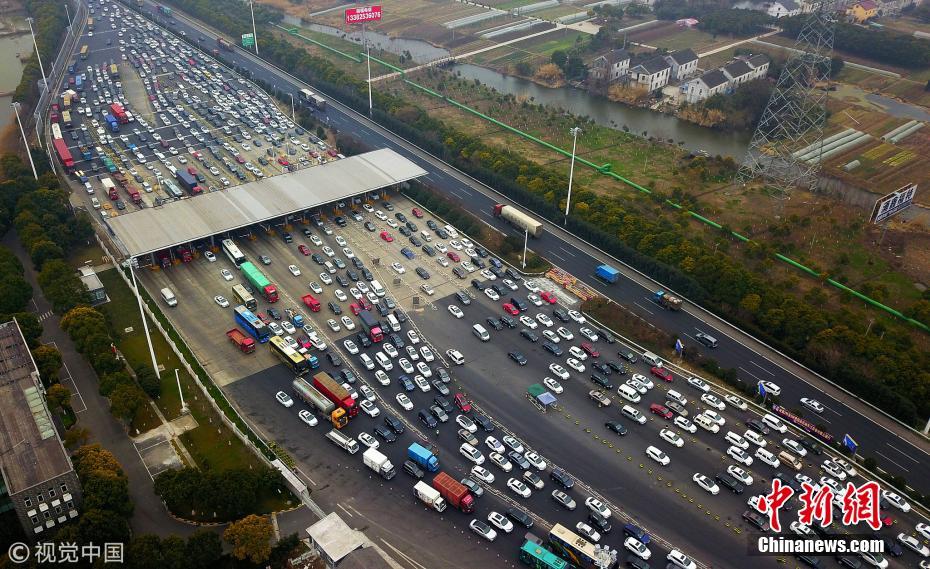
x=368, y=440
x=519, y=460
x=913, y=544
x=482, y=529
x=923, y=529
x=713, y=401
x=421, y=383
x=500, y=461
x=553, y=385
x=428, y=420
x=643, y=380
x=518, y=357
x=616, y=427
x=532, y=337
x=476, y=489
x=706, y=483
x=500, y=521
x=699, y=384
x=510, y=309
x=812, y=404
x=660, y=410
x=739, y=455
x=559, y=371
x=658, y=456
x=587, y=532
x=715, y=417
x=456, y=356
x=759, y=427
x=756, y=519
x=471, y=453
x=798, y=449
x=439, y=413
x=482, y=474
x=440, y=387
x=404, y=401
x=740, y=474
x=466, y=437
x=284, y=399
x=736, y=402
x=672, y=438
x=494, y=444
x=565, y=333
x=520, y=517
x=685, y=424
x=308, y=418
x=637, y=548
x=834, y=470
x=661, y=373
x=456, y=311
x=590, y=350
x=413, y=336
x=387, y=237
x=596, y=505
x=462, y=403
x=519, y=488
x=226, y=274
x=221, y=301
x=769, y=388
x=896, y=501
x=575, y=364
x=333, y=325
x=564, y=500
x=369, y=408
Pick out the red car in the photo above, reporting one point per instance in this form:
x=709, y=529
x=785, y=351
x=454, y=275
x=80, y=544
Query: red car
x=355, y=309
x=262, y=317
x=241, y=160
x=281, y=160
x=661, y=410
x=548, y=297
x=304, y=249
x=462, y=403
x=661, y=373
x=417, y=212
x=386, y=236
x=589, y=349
x=454, y=256
x=511, y=309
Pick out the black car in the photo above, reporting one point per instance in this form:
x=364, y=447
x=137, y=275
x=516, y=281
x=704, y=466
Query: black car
x=616, y=366
x=808, y=560
x=274, y=313
x=601, y=368
x=519, y=460
x=347, y=375
x=335, y=308
x=628, y=356
x=400, y=217
x=892, y=547
x=357, y=263
x=428, y=250
x=561, y=314
x=727, y=480
x=400, y=315
x=476, y=490
x=342, y=281
x=508, y=321
x=439, y=386
x=442, y=233
x=616, y=427
x=497, y=272
x=459, y=272
x=757, y=426
x=561, y=478
x=607, y=336
x=340, y=221
x=363, y=340
x=553, y=349
x=384, y=433
x=307, y=232
x=478, y=284
x=394, y=424
x=387, y=205
x=403, y=231
x=367, y=274
x=287, y=238
x=499, y=290
x=520, y=517
x=415, y=241
x=602, y=381
x=397, y=341
x=432, y=225
x=513, y=275
x=756, y=519
x=443, y=402
x=599, y=522
x=353, y=276
x=423, y=273
x=849, y=561
x=334, y=359
x=529, y=335
x=494, y=323
x=517, y=357
x=482, y=252
x=486, y=425
x=317, y=258
x=811, y=446
x=413, y=469
x=633, y=562
x=519, y=304
x=427, y=419
x=412, y=226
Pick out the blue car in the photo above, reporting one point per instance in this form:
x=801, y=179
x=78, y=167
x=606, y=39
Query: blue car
x=495, y=263
x=406, y=382
x=406, y=252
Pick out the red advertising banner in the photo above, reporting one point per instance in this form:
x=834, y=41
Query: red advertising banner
x=363, y=14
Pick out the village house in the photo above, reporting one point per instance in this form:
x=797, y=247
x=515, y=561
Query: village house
x=705, y=86
x=652, y=73
x=774, y=8
x=683, y=64
x=611, y=66
x=861, y=12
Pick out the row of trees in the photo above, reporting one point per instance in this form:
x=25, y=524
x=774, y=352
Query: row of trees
x=882, y=45
x=49, y=26
x=222, y=495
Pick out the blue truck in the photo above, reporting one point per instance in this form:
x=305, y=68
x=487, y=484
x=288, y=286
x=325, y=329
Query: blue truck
x=111, y=120
x=422, y=456
x=607, y=273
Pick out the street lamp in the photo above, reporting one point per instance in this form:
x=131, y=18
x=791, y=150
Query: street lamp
x=571, y=171
x=293, y=115
x=38, y=56
x=15, y=107
x=68, y=15
x=254, y=33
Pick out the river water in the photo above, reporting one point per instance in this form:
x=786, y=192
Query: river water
x=602, y=111
x=11, y=70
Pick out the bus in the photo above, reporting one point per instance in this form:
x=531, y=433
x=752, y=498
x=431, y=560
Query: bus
x=84, y=50
x=56, y=131
x=233, y=252
x=243, y=297
x=538, y=557
x=66, y=100
x=577, y=550
x=66, y=119
x=251, y=324
x=293, y=359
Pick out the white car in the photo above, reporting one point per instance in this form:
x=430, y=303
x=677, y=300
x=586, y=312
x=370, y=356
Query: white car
x=347, y=323
x=812, y=404
x=368, y=440
x=544, y=320
x=577, y=353
x=340, y=295
x=455, y=244
x=672, y=437
x=736, y=472
x=316, y=288
x=421, y=383
x=500, y=461
x=308, y=418
x=405, y=365
x=715, y=417
x=442, y=261
x=456, y=311
x=284, y=399
x=755, y=502
x=596, y=505
x=482, y=474
x=427, y=290
x=348, y=253
x=383, y=378
x=221, y=300
x=644, y=380
x=553, y=385
x=680, y=560
x=333, y=325
x=369, y=408
x=770, y=388
x=528, y=322
x=412, y=353
x=706, y=483
x=685, y=424
x=427, y=354
x=637, y=548
x=500, y=521
x=351, y=347
x=492, y=294
x=551, y=336
x=534, y=298
x=294, y=269
x=913, y=544
x=531, y=287
x=713, y=401
x=328, y=251
x=587, y=532
x=575, y=365
x=559, y=371
x=472, y=454
x=398, y=268
x=424, y=369
x=404, y=401
x=456, y=356
x=288, y=327
x=896, y=501
x=535, y=460
x=834, y=470
x=736, y=402
x=340, y=240
x=658, y=456
x=636, y=385
x=509, y=284
x=413, y=336
x=923, y=529
x=565, y=333
x=588, y=333
x=275, y=329
x=699, y=384
x=739, y=455
x=327, y=280
x=226, y=275
x=767, y=457
x=795, y=447
x=577, y=316
x=487, y=274
x=465, y=422
x=519, y=488
x=479, y=527
x=495, y=445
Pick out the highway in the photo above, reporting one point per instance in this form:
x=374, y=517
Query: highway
x=896, y=454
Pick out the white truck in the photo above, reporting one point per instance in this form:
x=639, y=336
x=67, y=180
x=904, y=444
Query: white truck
x=379, y=463
x=518, y=219
x=342, y=441
x=429, y=496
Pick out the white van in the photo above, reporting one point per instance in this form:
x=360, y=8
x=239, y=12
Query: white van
x=673, y=395
x=169, y=297
x=330, y=268
x=384, y=361
x=652, y=359
x=736, y=440
x=706, y=423
x=480, y=332
x=628, y=393
x=392, y=321
x=426, y=235
x=377, y=288
x=367, y=362
x=451, y=231
x=755, y=438
x=633, y=414
x=774, y=423
x=767, y=457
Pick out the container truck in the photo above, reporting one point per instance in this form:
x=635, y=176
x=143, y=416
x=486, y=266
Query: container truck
x=119, y=113
x=429, y=496
x=371, y=325
x=666, y=300
x=454, y=492
x=134, y=194
x=309, y=395
x=108, y=164
x=518, y=219
x=224, y=44
x=110, y=188
x=422, y=456
x=188, y=182
x=335, y=392
x=343, y=441
x=112, y=122
x=61, y=149
x=607, y=273
x=245, y=343
x=379, y=463
x=259, y=281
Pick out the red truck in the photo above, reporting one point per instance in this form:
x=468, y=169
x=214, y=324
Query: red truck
x=134, y=194
x=224, y=44
x=245, y=343
x=312, y=303
x=119, y=113
x=371, y=325
x=185, y=254
x=335, y=392
x=454, y=492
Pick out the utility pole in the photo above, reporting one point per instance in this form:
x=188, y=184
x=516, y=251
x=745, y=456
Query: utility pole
x=15, y=107
x=145, y=327
x=38, y=55
x=368, y=60
x=571, y=171
x=254, y=33
x=293, y=115
x=68, y=15
x=526, y=240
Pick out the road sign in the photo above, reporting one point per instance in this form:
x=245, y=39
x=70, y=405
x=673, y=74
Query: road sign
x=248, y=40
x=893, y=203
x=363, y=14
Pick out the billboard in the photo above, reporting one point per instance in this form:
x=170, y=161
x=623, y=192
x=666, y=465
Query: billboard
x=363, y=14
x=248, y=40
x=893, y=203
x=802, y=423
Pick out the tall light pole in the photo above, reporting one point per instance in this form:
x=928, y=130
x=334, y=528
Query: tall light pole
x=526, y=241
x=15, y=107
x=254, y=33
x=145, y=327
x=368, y=58
x=38, y=55
x=68, y=15
x=571, y=171
x=293, y=115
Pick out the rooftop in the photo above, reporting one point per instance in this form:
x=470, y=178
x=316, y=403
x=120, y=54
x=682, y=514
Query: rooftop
x=737, y=69
x=758, y=60
x=683, y=56
x=334, y=538
x=90, y=278
x=615, y=55
x=714, y=78
x=30, y=450
x=654, y=65
x=186, y=220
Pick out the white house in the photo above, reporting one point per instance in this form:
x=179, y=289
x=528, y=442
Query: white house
x=653, y=73
x=760, y=65
x=774, y=8
x=611, y=66
x=707, y=85
x=738, y=72
x=683, y=63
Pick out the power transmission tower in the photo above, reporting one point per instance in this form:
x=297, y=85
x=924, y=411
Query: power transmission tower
x=796, y=112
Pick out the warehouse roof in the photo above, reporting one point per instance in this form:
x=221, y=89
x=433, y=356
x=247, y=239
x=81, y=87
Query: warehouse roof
x=186, y=220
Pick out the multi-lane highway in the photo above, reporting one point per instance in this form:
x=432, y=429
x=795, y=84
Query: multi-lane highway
x=903, y=454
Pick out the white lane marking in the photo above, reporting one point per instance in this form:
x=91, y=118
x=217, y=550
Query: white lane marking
x=762, y=368
x=750, y=373
x=644, y=308
x=556, y=255
x=486, y=214
x=403, y=555
x=830, y=409
x=909, y=457
x=891, y=461
x=572, y=253
x=345, y=510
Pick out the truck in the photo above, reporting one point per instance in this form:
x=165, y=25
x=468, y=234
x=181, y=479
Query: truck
x=518, y=219
x=224, y=44
x=121, y=179
x=371, y=325
x=85, y=152
x=379, y=463
x=309, y=395
x=454, y=492
x=110, y=188
x=296, y=318
x=245, y=343
x=259, y=281
x=335, y=392
x=164, y=10
x=423, y=456
x=112, y=122
x=119, y=113
x=311, y=359
x=429, y=496
x=188, y=182
x=343, y=441
x=108, y=164
x=134, y=194
x=607, y=273
x=312, y=303
x=184, y=254
x=666, y=300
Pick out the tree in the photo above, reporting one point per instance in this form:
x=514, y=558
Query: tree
x=204, y=548
x=126, y=400
x=76, y=436
x=575, y=67
x=102, y=526
x=250, y=538
x=58, y=396
x=174, y=552
x=549, y=74
x=48, y=360
x=560, y=58
x=107, y=491
x=148, y=381
x=144, y=552
x=836, y=65
x=94, y=457
x=61, y=286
